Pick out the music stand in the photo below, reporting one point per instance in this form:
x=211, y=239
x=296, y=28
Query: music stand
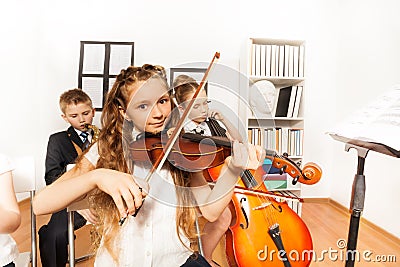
x=358, y=189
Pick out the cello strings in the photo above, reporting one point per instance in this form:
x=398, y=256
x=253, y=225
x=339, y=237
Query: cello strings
x=266, y=205
x=268, y=210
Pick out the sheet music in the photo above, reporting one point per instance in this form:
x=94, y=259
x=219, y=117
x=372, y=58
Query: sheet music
x=120, y=58
x=379, y=122
x=93, y=59
x=94, y=88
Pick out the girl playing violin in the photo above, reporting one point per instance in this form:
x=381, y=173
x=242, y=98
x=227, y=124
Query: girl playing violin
x=163, y=229
x=206, y=122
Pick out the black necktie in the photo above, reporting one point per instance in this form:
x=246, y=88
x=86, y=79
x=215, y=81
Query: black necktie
x=85, y=140
x=199, y=130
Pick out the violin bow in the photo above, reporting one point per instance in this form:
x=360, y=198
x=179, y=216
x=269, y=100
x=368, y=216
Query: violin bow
x=174, y=136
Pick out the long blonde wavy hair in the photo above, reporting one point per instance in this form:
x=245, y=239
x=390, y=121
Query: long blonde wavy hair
x=112, y=139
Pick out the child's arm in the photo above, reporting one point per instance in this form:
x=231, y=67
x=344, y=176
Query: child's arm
x=9, y=210
x=56, y=196
x=232, y=131
x=213, y=202
x=120, y=186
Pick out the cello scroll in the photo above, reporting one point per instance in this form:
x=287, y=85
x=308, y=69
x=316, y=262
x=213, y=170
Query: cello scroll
x=310, y=174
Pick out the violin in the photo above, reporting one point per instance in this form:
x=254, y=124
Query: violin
x=193, y=152
x=186, y=154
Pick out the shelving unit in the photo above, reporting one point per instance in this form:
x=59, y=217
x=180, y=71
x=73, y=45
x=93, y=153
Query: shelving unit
x=285, y=69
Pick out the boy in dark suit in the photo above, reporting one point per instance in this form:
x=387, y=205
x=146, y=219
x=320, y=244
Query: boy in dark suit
x=63, y=148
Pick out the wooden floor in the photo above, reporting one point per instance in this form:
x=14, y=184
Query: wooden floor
x=22, y=235
x=328, y=225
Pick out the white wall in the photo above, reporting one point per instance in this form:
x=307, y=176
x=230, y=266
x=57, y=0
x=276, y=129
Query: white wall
x=368, y=65
x=351, y=52
x=20, y=96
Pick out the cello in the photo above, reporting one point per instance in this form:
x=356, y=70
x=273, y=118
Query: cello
x=266, y=232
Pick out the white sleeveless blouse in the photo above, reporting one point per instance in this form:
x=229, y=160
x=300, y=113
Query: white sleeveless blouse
x=150, y=238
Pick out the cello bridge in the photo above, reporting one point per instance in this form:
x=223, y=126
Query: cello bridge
x=262, y=206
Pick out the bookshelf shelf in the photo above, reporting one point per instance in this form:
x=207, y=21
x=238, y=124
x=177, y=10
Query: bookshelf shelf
x=276, y=41
x=283, y=81
x=280, y=62
x=277, y=119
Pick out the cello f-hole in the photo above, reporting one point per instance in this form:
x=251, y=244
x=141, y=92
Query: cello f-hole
x=279, y=208
x=244, y=214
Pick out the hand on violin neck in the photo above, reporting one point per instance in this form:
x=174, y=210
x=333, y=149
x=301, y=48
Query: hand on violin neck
x=245, y=157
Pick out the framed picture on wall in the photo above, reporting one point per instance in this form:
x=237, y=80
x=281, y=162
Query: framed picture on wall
x=99, y=65
x=195, y=73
